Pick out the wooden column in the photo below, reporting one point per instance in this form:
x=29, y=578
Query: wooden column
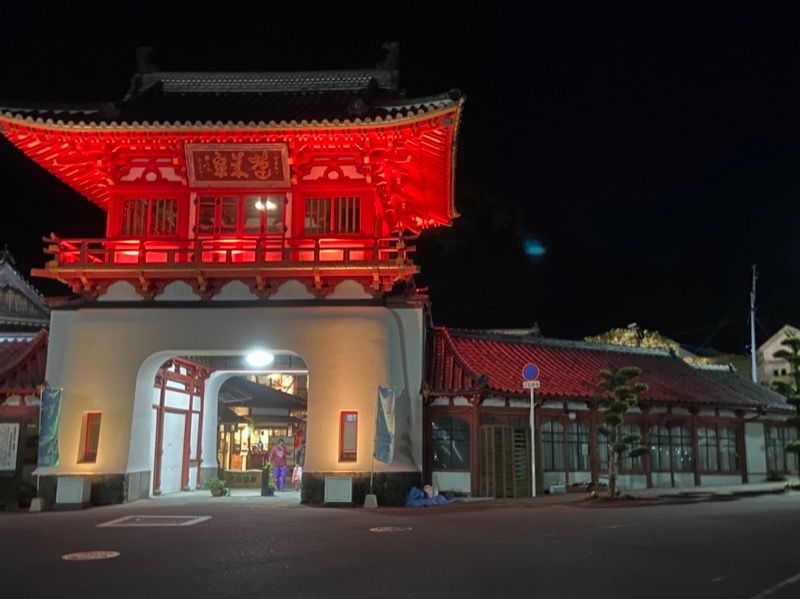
x=159, y=450
x=201, y=390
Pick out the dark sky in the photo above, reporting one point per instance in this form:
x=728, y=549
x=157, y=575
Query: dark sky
x=655, y=162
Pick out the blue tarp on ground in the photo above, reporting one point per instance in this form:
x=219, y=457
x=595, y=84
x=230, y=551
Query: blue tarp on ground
x=416, y=497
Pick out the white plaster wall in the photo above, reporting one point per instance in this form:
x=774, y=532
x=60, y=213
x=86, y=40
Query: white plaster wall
x=106, y=360
x=719, y=480
x=578, y=477
x=684, y=479
x=755, y=452
x=553, y=478
x=630, y=482
x=661, y=479
x=454, y=482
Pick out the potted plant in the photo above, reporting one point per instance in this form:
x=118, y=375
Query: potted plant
x=271, y=485
x=217, y=486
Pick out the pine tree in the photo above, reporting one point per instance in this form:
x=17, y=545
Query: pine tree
x=620, y=395
x=791, y=388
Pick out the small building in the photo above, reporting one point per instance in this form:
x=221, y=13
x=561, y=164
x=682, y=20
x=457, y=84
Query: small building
x=24, y=323
x=769, y=367
x=704, y=424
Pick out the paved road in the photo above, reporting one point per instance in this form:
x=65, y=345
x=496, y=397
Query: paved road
x=248, y=547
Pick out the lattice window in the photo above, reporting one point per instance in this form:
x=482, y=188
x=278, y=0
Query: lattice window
x=728, y=450
x=681, y=440
x=13, y=302
x=776, y=440
x=578, y=446
x=671, y=448
x=628, y=463
x=708, y=454
x=552, y=433
x=451, y=443
x=241, y=214
x=659, y=448
x=150, y=217
x=338, y=215
x=717, y=449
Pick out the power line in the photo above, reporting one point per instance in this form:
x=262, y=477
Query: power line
x=730, y=311
x=714, y=326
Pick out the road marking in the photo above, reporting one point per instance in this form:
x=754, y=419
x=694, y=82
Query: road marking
x=90, y=555
x=390, y=529
x=156, y=521
x=778, y=587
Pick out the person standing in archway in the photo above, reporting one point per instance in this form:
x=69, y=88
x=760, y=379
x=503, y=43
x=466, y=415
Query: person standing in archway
x=277, y=457
x=299, y=461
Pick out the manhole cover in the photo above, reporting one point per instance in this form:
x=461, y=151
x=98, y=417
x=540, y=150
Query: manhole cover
x=156, y=521
x=90, y=555
x=390, y=529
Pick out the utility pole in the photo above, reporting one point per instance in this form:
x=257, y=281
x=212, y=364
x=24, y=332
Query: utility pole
x=753, y=327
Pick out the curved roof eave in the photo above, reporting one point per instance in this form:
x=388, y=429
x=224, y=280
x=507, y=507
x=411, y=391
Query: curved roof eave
x=19, y=118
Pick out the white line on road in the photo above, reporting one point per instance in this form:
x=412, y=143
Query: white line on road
x=778, y=587
x=156, y=521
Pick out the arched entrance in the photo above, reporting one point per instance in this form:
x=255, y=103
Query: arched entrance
x=255, y=406
x=106, y=359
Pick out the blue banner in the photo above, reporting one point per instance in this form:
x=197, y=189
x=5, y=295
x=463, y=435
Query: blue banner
x=384, y=426
x=48, y=426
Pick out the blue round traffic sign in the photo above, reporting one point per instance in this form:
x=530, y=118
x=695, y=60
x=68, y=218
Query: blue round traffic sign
x=530, y=372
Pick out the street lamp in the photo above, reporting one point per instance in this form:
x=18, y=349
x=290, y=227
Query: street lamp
x=259, y=358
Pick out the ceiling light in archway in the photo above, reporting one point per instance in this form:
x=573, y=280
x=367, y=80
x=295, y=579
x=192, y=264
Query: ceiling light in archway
x=259, y=358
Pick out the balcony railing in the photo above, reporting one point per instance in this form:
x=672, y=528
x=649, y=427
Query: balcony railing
x=101, y=254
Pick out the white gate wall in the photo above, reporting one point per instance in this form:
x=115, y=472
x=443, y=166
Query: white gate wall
x=349, y=351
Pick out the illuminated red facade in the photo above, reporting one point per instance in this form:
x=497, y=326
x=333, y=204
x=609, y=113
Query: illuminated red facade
x=256, y=177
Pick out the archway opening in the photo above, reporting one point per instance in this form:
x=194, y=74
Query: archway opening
x=219, y=417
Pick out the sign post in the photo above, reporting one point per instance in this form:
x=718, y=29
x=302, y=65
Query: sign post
x=531, y=373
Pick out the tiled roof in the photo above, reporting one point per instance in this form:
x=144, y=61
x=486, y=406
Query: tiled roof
x=243, y=100
x=464, y=361
x=22, y=308
x=726, y=376
x=287, y=81
x=225, y=414
x=22, y=362
x=239, y=391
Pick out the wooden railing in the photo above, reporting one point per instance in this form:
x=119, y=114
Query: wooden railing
x=258, y=252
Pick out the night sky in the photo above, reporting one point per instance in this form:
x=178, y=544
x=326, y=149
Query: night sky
x=608, y=173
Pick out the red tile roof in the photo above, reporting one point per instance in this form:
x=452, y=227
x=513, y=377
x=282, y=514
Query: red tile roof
x=568, y=371
x=22, y=363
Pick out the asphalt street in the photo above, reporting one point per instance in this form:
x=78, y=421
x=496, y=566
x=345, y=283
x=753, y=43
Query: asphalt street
x=732, y=547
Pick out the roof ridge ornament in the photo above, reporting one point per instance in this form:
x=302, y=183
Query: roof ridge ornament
x=144, y=66
x=7, y=256
x=143, y=63
x=392, y=55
